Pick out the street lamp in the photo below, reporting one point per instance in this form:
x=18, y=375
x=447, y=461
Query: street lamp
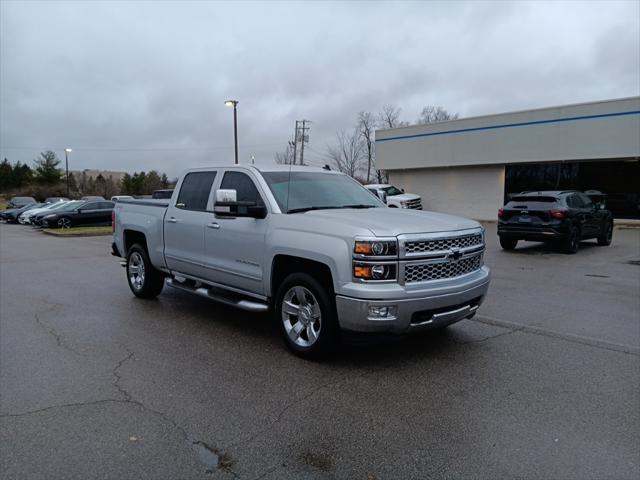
x=66, y=162
x=234, y=104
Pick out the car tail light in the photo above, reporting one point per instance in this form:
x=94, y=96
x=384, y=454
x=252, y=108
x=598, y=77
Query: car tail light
x=559, y=213
x=113, y=220
x=500, y=212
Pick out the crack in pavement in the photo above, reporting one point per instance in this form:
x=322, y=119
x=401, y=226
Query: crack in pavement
x=224, y=460
x=52, y=331
x=284, y=410
x=490, y=337
x=125, y=393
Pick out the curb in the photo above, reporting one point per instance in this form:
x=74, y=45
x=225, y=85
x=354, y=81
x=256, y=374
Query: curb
x=76, y=235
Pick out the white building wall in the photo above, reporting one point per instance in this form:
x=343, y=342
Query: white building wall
x=598, y=130
x=474, y=192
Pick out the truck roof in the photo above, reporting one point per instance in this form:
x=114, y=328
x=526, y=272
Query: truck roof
x=268, y=168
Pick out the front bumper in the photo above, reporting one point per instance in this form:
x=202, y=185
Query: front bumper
x=413, y=314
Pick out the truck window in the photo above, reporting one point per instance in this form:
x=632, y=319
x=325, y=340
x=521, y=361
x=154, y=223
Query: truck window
x=246, y=190
x=195, y=190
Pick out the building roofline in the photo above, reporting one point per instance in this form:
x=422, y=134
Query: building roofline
x=513, y=112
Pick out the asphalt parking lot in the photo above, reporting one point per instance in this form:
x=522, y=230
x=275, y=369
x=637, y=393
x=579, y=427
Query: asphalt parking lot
x=94, y=383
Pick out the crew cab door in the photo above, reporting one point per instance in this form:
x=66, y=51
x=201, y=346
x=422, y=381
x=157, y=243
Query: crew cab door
x=234, y=246
x=185, y=222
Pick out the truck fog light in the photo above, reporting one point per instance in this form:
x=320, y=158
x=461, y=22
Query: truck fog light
x=382, y=312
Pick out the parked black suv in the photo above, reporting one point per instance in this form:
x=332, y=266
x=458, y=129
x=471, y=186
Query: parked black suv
x=563, y=217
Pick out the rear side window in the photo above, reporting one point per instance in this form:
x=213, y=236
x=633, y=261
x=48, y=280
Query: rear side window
x=246, y=190
x=106, y=205
x=195, y=190
x=91, y=206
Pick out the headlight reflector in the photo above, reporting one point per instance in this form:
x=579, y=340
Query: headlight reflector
x=382, y=248
x=376, y=271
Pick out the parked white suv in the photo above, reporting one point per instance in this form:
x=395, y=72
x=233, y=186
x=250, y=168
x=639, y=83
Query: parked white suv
x=395, y=197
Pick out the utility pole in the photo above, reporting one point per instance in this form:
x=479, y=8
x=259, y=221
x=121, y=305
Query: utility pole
x=304, y=128
x=295, y=144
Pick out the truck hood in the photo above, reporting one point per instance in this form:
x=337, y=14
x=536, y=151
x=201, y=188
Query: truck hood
x=404, y=197
x=390, y=222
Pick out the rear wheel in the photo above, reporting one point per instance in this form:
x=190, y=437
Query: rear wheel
x=605, y=239
x=307, y=316
x=144, y=280
x=572, y=243
x=508, y=243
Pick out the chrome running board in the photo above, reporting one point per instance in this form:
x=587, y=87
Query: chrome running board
x=219, y=295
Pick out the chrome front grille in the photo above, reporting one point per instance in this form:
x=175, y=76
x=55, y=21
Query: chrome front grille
x=441, y=269
x=414, y=204
x=443, y=244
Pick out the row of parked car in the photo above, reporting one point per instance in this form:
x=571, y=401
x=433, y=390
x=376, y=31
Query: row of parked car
x=59, y=212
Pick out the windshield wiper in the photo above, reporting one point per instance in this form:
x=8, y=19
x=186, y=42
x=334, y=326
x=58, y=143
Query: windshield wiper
x=306, y=209
x=359, y=205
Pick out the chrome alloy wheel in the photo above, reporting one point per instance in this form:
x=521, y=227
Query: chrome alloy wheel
x=301, y=316
x=64, y=223
x=135, y=269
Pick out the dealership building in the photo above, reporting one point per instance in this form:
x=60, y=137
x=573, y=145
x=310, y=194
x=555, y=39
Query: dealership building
x=470, y=166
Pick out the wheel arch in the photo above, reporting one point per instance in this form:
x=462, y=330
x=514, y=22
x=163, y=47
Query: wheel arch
x=284, y=265
x=131, y=237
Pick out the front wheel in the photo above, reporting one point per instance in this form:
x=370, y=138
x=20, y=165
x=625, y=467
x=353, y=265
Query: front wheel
x=144, y=280
x=307, y=316
x=64, y=222
x=604, y=240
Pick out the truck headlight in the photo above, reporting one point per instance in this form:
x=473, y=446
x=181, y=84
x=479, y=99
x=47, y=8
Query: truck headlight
x=374, y=271
x=376, y=248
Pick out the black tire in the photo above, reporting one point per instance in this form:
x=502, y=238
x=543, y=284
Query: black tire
x=508, y=243
x=572, y=243
x=327, y=324
x=605, y=239
x=393, y=206
x=146, y=283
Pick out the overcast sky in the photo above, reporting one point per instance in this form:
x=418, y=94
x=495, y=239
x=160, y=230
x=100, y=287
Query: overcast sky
x=141, y=85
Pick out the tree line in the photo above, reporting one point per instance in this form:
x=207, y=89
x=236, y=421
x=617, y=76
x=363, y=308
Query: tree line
x=46, y=179
x=353, y=151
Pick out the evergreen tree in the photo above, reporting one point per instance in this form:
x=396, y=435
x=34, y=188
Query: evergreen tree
x=73, y=186
x=22, y=175
x=164, y=181
x=6, y=176
x=47, y=171
x=126, y=184
x=152, y=182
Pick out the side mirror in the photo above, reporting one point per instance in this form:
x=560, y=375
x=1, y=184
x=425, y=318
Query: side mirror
x=402, y=190
x=226, y=205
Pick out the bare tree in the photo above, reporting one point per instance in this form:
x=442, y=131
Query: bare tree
x=285, y=157
x=347, y=155
x=389, y=117
x=432, y=114
x=367, y=126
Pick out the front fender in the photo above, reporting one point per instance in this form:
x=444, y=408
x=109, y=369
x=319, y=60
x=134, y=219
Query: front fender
x=333, y=251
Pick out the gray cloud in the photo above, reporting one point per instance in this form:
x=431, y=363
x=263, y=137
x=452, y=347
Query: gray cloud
x=141, y=85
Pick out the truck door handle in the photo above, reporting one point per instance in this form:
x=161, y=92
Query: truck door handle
x=213, y=225
x=172, y=220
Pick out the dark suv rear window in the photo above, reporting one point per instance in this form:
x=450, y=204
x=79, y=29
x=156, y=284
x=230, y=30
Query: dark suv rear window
x=534, y=199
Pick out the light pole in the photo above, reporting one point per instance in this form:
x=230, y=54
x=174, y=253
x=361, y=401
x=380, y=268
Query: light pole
x=234, y=104
x=66, y=162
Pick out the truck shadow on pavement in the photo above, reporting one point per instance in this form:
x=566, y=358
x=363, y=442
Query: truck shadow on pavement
x=257, y=333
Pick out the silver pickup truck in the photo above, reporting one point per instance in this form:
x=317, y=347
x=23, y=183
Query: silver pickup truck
x=312, y=245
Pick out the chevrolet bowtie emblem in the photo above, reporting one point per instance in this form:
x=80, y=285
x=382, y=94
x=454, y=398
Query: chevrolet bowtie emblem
x=454, y=254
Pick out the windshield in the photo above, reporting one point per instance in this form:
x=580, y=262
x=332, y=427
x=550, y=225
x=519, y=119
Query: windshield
x=317, y=190
x=391, y=190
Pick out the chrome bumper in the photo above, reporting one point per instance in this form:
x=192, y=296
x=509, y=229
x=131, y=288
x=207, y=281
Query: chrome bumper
x=411, y=314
